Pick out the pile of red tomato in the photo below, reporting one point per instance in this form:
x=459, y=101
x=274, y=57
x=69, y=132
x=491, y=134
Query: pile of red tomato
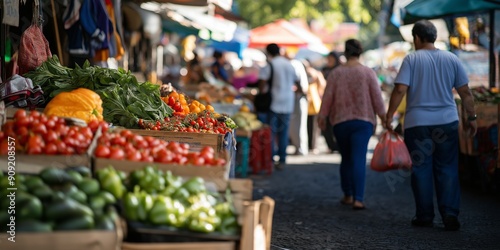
x=36, y=133
x=125, y=145
x=203, y=122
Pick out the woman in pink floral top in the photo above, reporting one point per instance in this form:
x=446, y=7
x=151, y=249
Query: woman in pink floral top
x=351, y=102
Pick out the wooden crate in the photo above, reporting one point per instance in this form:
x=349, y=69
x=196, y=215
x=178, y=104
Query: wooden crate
x=487, y=116
x=195, y=140
x=63, y=240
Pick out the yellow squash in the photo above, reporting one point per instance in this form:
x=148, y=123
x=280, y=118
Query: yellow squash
x=80, y=103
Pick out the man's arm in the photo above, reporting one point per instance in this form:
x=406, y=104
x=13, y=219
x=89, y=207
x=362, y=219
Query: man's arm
x=397, y=95
x=470, y=123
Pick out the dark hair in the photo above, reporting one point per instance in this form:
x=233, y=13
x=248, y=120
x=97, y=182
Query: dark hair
x=217, y=54
x=425, y=30
x=336, y=56
x=353, y=48
x=273, y=49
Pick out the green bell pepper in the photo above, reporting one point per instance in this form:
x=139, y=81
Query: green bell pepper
x=195, y=185
x=131, y=205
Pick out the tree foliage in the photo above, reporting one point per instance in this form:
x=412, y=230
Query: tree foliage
x=330, y=12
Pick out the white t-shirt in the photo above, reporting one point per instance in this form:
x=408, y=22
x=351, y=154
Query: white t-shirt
x=301, y=71
x=284, y=78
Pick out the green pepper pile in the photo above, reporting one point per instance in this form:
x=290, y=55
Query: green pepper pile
x=160, y=198
x=58, y=199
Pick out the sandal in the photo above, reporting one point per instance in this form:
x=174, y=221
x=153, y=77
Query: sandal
x=347, y=200
x=356, y=205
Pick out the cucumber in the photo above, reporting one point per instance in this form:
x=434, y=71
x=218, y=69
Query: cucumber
x=104, y=222
x=89, y=186
x=33, y=182
x=33, y=226
x=107, y=196
x=79, y=196
x=77, y=223
x=55, y=176
x=30, y=209
x=97, y=204
x=82, y=170
x=43, y=192
x=76, y=177
x=66, y=209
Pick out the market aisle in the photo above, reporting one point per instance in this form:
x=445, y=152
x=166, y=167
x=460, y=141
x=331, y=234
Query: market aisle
x=308, y=214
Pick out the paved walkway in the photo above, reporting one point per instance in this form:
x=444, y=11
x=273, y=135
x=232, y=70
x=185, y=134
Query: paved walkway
x=308, y=214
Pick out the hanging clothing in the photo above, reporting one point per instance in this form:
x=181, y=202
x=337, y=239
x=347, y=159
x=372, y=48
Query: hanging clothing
x=116, y=49
x=96, y=22
x=78, y=40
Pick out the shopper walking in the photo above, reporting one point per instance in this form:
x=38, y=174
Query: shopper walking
x=332, y=61
x=284, y=78
x=317, y=84
x=428, y=76
x=351, y=100
x=298, y=120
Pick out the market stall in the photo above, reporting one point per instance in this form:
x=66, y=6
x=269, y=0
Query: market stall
x=122, y=163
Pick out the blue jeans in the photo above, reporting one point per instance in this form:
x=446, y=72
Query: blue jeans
x=434, y=153
x=279, y=127
x=352, y=138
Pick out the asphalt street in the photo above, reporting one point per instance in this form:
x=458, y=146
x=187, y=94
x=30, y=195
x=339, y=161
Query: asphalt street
x=308, y=214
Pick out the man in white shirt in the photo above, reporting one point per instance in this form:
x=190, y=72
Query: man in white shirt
x=284, y=78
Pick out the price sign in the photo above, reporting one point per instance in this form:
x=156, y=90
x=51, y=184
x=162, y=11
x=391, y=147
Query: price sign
x=11, y=12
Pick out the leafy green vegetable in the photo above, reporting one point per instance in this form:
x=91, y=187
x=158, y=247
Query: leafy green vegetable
x=125, y=100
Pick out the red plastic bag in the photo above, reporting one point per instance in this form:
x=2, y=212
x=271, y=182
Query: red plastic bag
x=390, y=153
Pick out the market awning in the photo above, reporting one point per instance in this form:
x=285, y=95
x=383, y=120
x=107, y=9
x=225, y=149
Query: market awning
x=195, y=17
x=410, y=11
x=238, y=44
x=285, y=34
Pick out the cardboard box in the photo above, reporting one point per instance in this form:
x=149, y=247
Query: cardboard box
x=63, y=240
x=196, y=141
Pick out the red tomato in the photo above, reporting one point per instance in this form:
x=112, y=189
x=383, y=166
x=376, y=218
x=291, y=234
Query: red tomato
x=50, y=136
x=61, y=129
x=117, y=153
x=199, y=161
x=35, y=114
x=20, y=113
x=141, y=144
x=218, y=162
x=22, y=122
x=104, y=126
x=43, y=119
x=4, y=147
x=87, y=132
x=61, y=147
x=50, y=149
x=1, y=135
x=125, y=133
x=93, y=125
x=102, y=151
x=207, y=149
x=22, y=131
x=118, y=141
x=134, y=156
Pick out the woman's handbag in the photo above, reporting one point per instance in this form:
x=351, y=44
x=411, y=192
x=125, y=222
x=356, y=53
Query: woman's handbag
x=390, y=153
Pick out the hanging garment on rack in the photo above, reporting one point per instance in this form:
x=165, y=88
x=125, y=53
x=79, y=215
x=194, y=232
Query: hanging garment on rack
x=115, y=45
x=78, y=40
x=95, y=21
